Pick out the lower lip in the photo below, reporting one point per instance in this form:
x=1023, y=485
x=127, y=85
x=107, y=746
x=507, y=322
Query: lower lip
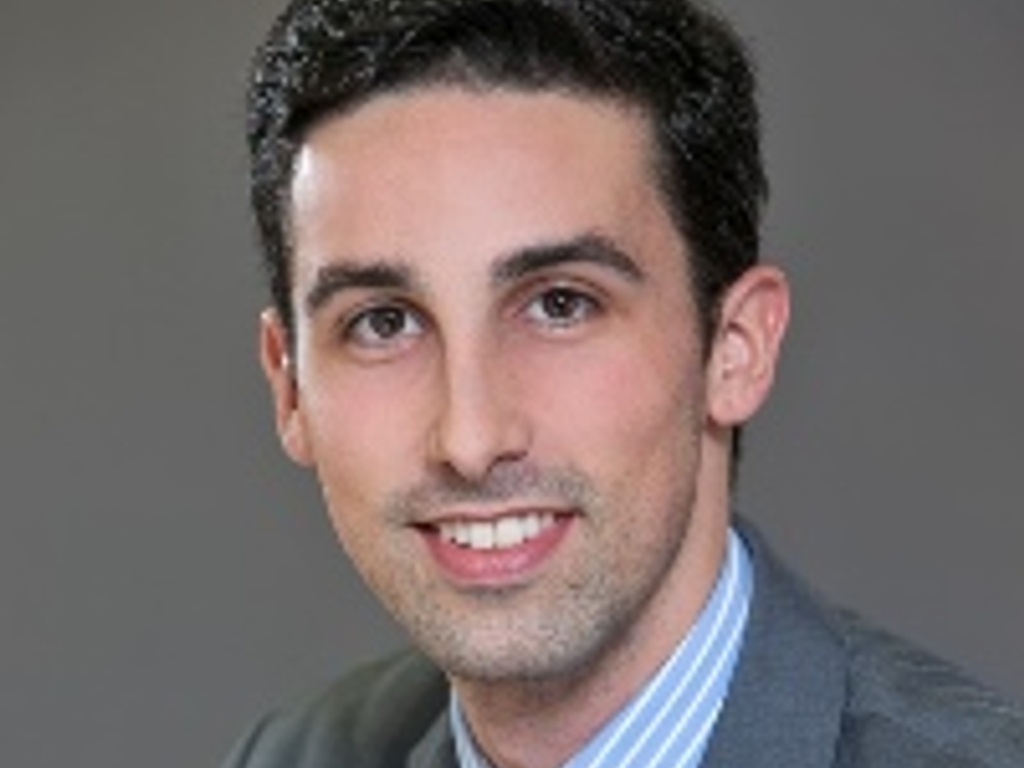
x=496, y=568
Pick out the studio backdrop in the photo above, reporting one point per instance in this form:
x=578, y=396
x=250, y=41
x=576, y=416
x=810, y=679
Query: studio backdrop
x=166, y=575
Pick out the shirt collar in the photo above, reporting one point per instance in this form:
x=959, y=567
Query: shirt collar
x=669, y=720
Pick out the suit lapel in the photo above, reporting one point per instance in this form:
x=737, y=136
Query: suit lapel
x=436, y=749
x=786, y=699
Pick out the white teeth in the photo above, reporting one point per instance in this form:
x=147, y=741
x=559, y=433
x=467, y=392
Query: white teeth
x=509, y=532
x=503, y=533
x=481, y=536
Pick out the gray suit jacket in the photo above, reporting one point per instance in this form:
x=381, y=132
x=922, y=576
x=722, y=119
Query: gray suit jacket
x=814, y=688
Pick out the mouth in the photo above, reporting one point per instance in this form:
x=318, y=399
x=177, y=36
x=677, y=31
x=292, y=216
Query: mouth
x=496, y=552
x=502, y=533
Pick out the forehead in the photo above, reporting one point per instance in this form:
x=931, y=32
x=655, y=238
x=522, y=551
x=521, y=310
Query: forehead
x=445, y=169
x=435, y=113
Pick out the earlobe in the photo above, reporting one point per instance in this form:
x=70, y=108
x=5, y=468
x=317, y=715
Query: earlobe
x=276, y=360
x=745, y=352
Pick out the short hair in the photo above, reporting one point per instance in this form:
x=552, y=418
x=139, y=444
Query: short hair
x=676, y=60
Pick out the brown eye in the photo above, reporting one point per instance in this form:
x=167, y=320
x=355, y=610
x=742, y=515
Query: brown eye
x=561, y=307
x=382, y=326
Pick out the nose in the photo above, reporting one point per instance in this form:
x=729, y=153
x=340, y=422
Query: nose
x=480, y=420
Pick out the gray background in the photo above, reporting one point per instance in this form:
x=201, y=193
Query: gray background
x=165, y=576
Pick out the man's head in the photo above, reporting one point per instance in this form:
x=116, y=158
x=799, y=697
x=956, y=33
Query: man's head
x=518, y=316
x=671, y=59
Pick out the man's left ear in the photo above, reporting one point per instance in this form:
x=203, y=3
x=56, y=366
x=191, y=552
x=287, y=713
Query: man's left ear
x=745, y=349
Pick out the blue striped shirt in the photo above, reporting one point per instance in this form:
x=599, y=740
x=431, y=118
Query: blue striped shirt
x=668, y=722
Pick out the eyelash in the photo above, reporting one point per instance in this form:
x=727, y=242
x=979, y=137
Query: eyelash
x=545, y=308
x=356, y=329
x=582, y=304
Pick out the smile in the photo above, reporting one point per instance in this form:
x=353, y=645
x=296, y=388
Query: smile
x=501, y=533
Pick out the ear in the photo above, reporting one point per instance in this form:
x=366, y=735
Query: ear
x=745, y=350
x=276, y=360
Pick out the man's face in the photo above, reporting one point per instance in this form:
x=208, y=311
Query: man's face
x=497, y=372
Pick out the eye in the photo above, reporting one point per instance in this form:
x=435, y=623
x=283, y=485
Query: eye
x=382, y=326
x=561, y=307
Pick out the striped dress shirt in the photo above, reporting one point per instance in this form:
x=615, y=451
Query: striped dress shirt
x=668, y=722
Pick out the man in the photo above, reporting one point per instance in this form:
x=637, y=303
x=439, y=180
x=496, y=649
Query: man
x=518, y=320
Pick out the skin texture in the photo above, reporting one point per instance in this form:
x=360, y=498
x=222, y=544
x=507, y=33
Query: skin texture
x=493, y=319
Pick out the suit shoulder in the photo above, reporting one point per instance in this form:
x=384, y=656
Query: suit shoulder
x=370, y=717
x=907, y=707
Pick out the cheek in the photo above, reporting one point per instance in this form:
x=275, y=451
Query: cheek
x=628, y=411
x=363, y=431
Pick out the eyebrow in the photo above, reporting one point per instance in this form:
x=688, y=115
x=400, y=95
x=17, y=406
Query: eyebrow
x=335, y=278
x=590, y=248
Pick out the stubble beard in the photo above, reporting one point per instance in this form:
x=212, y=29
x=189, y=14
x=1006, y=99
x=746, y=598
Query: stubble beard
x=556, y=629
